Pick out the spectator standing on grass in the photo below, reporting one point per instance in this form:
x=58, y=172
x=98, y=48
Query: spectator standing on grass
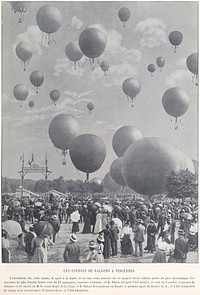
x=181, y=247
x=29, y=236
x=75, y=217
x=92, y=255
x=139, y=238
x=72, y=250
x=5, y=247
x=114, y=237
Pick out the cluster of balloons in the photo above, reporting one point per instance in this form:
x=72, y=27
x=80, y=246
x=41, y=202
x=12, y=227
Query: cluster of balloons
x=87, y=151
x=160, y=61
x=144, y=163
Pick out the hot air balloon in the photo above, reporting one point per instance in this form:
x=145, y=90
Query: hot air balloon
x=124, y=14
x=124, y=137
x=19, y=8
x=96, y=180
x=87, y=152
x=192, y=64
x=62, y=131
x=20, y=92
x=37, y=78
x=92, y=43
x=54, y=95
x=160, y=61
x=147, y=163
x=131, y=88
x=151, y=68
x=49, y=20
x=175, y=39
x=31, y=104
x=185, y=161
x=24, y=52
x=73, y=52
x=116, y=173
x=175, y=102
x=90, y=107
x=109, y=184
x=104, y=65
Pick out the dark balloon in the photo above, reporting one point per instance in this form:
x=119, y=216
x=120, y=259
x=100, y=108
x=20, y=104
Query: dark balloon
x=49, y=19
x=104, y=66
x=20, y=92
x=109, y=184
x=116, y=173
x=192, y=63
x=73, y=52
x=92, y=42
x=175, y=39
x=124, y=137
x=87, y=152
x=90, y=107
x=124, y=14
x=160, y=61
x=151, y=68
x=37, y=79
x=24, y=52
x=31, y=104
x=55, y=95
x=147, y=163
x=62, y=131
x=131, y=88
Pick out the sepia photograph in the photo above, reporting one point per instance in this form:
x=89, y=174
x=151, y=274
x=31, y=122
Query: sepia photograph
x=99, y=132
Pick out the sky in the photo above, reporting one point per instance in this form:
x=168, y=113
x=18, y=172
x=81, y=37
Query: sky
x=129, y=50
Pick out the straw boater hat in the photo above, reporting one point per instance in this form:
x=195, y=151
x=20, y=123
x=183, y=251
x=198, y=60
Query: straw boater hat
x=92, y=244
x=73, y=238
x=100, y=238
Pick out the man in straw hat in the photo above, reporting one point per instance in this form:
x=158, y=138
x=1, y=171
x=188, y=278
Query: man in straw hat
x=92, y=255
x=181, y=247
x=72, y=250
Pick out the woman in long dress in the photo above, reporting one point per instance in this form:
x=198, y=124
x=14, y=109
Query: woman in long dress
x=87, y=222
x=98, y=224
x=39, y=247
x=75, y=217
x=107, y=242
x=162, y=251
x=105, y=219
x=126, y=244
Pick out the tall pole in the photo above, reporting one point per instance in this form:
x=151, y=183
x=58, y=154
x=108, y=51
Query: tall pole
x=22, y=175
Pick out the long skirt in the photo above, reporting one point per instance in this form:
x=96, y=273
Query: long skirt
x=126, y=245
x=87, y=226
x=39, y=256
x=75, y=227
x=107, y=248
x=159, y=257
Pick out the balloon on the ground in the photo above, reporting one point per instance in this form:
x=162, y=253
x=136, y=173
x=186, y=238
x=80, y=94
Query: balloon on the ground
x=31, y=104
x=87, y=153
x=151, y=68
x=160, y=61
x=20, y=92
x=49, y=20
x=73, y=52
x=116, y=173
x=54, y=95
x=124, y=14
x=62, y=131
x=104, y=65
x=19, y=8
x=24, y=52
x=124, y=137
x=109, y=184
x=147, y=163
x=175, y=102
x=131, y=88
x=96, y=180
x=92, y=43
x=90, y=107
x=37, y=79
x=175, y=39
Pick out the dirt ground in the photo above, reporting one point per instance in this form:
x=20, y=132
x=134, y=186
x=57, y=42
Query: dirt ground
x=55, y=252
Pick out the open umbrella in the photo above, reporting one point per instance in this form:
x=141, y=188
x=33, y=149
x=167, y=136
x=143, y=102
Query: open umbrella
x=108, y=208
x=12, y=227
x=43, y=228
x=117, y=222
x=98, y=204
x=38, y=204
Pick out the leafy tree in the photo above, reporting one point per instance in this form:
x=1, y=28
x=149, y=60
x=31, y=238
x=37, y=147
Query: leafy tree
x=182, y=184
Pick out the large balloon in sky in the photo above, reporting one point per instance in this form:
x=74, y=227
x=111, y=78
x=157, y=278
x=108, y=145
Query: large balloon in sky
x=49, y=19
x=124, y=14
x=175, y=39
x=92, y=43
x=104, y=65
x=54, y=95
x=109, y=184
x=124, y=137
x=131, y=88
x=24, y=52
x=62, y=131
x=37, y=78
x=192, y=64
x=19, y=8
x=20, y=92
x=175, y=102
x=160, y=61
x=116, y=173
x=147, y=163
x=151, y=68
x=87, y=152
x=73, y=52
x=90, y=107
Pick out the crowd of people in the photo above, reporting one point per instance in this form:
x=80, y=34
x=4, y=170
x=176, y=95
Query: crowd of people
x=128, y=227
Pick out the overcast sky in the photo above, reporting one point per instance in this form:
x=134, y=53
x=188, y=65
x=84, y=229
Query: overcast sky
x=129, y=50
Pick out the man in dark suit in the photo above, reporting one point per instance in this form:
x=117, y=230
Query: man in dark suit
x=181, y=248
x=172, y=227
x=139, y=237
x=114, y=237
x=28, y=239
